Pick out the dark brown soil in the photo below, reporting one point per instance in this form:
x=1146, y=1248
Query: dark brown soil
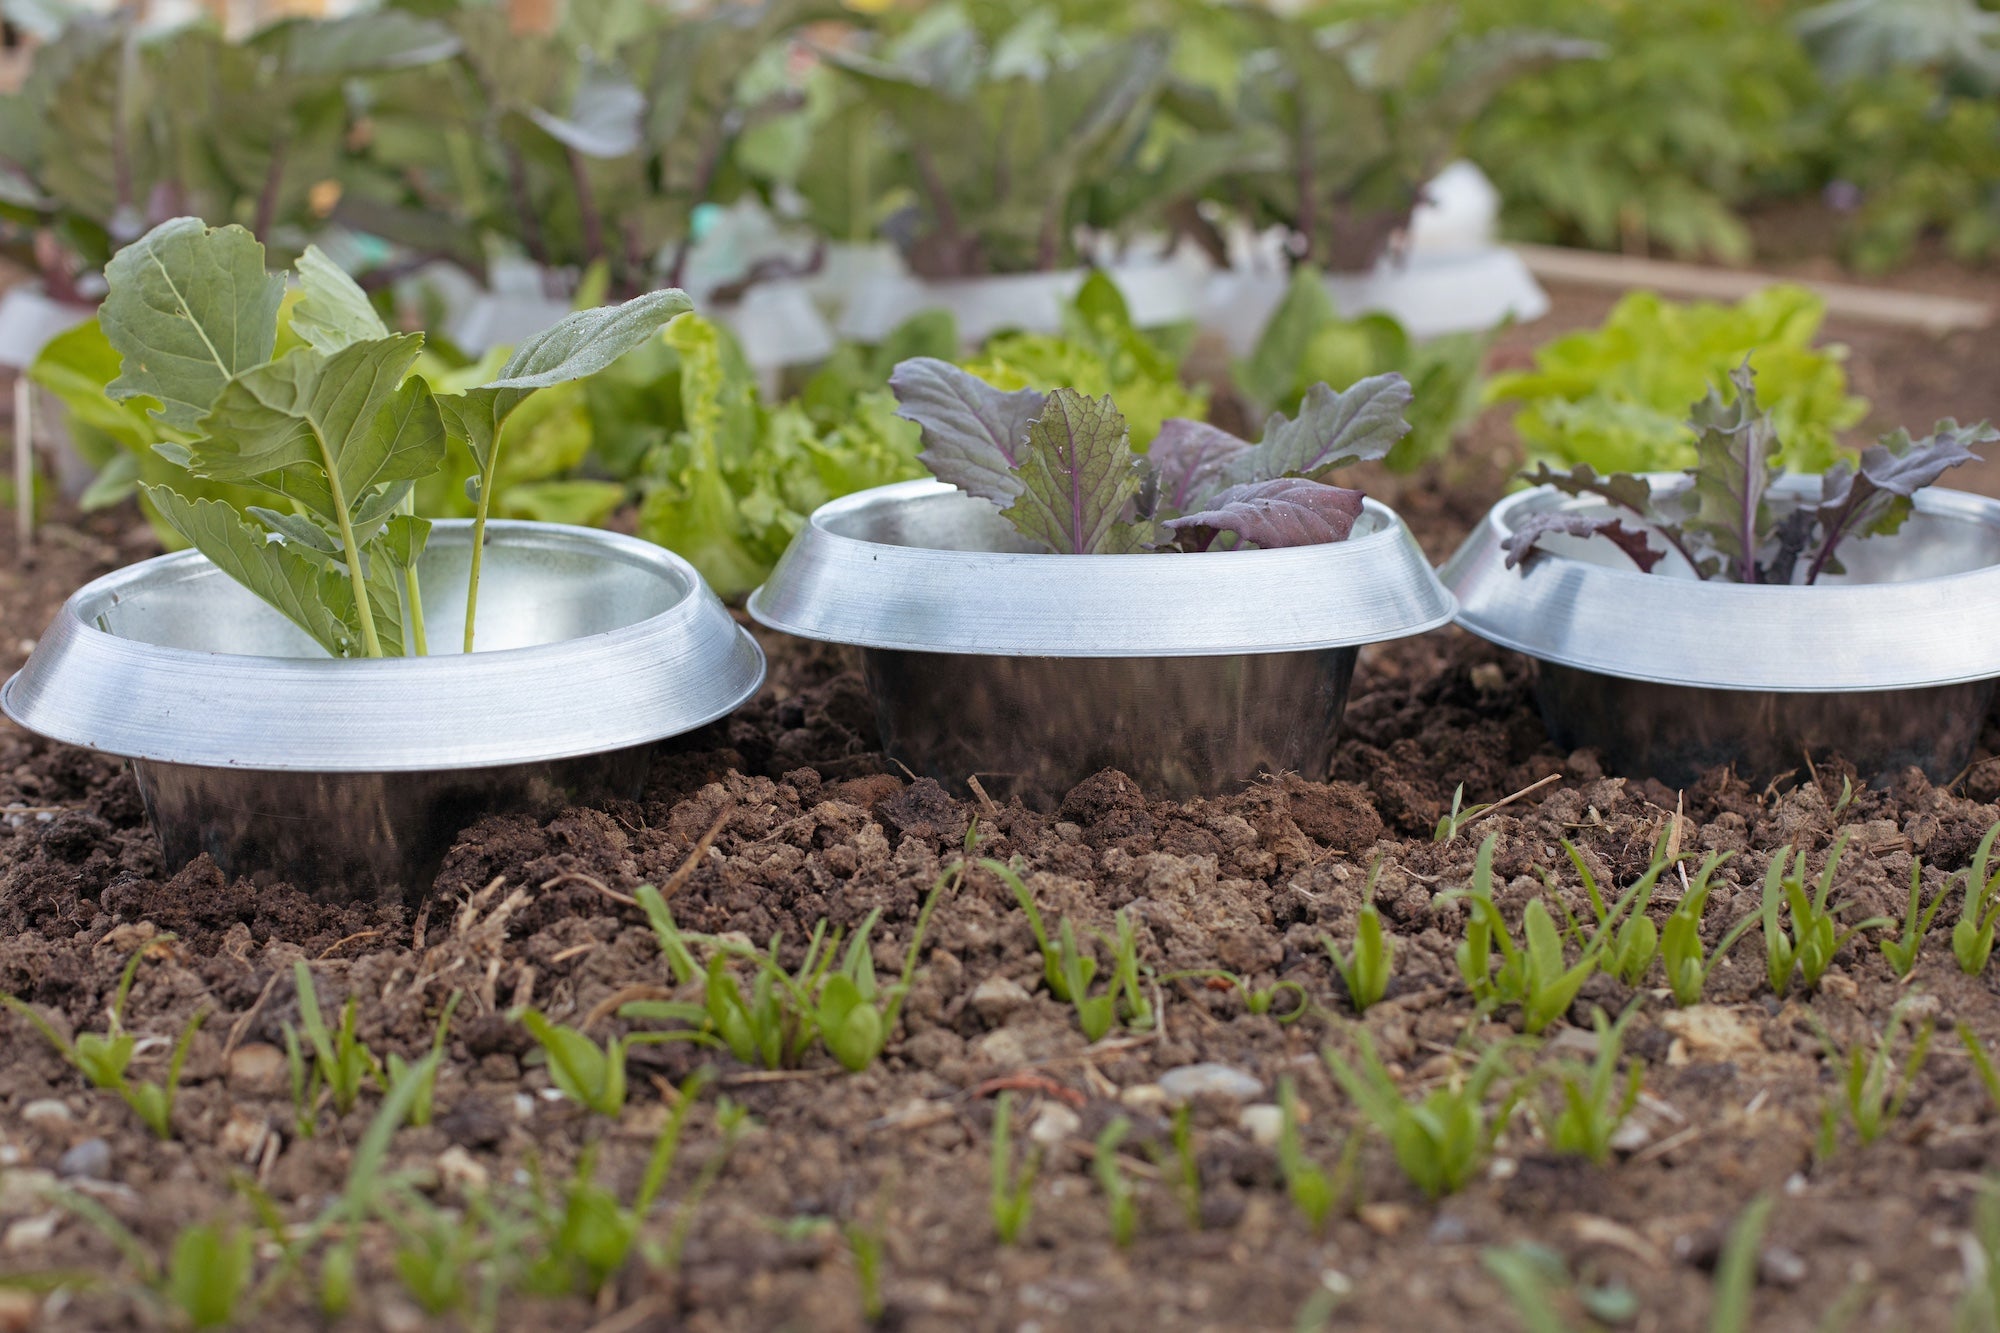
x=812, y=825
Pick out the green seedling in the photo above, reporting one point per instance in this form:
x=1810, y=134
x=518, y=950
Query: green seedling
x=1441, y=1139
x=1972, y=937
x=589, y=1239
x=361, y=1196
x=1814, y=938
x=1263, y=1001
x=590, y=1076
x=1982, y=1063
x=1902, y=950
x=1012, y=1197
x=1532, y=973
x=1592, y=1101
x=1187, y=1167
x=1687, y=961
x=455, y=1262
x=1119, y=1205
x=1461, y=815
x=1123, y=994
x=1312, y=1189
x=1052, y=957
x=855, y=1018
x=202, y=1283
x=1539, y=1287
x=1979, y=1308
x=398, y=1067
x=1365, y=970
x=773, y=1023
x=1872, y=1088
x=865, y=1245
x=305, y=1085
x=105, y=1058
x=342, y=1059
x=1634, y=941
x=1736, y=1272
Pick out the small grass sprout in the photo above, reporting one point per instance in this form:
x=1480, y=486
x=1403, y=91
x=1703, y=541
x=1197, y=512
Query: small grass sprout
x=1591, y=1101
x=1872, y=1088
x=398, y=1068
x=1687, y=961
x=1461, y=815
x=591, y=1076
x=1263, y=1001
x=1982, y=1063
x=1979, y=1251
x=774, y=1022
x=456, y=1262
x=1972, y=936
x=1119, y=1206
x=1011, y=1199
x=1187, y=1166
x=202, y=1283
x=343, y=1061
x=865, y=1245
x=1736, y=1271
x=854, y=1016
x=1901, y=950
x=1442, y=1138
x=1053, y=971
x=1814, y=938
x=1365, y=970
x=105, y=1058
x=1313, y=1190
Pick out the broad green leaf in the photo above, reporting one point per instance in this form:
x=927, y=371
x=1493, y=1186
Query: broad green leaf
x=189, y=308
x=332, y=312
x=306, y=592
x=1077, y=474
x=292, y=422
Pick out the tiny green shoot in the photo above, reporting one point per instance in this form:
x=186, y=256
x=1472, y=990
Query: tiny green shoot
x=855, y=1019
x=1901, y=951
x=1872, y=1088
x=399, y=1068
x=1635, y=940
x=1461, y=815
x=1052, y=956
x=1365, y=970
x=590, y=1076
x=207, y=1273
x=865, y=1245
x=1012, y=1198
x=1533, y=973
x=1262, y=1001
x=1809, y=948
x=1592, y=1101
x=1736, y=1272
x=1982, y=1063
x=1313, y=1190
x=1187, y=1166
x=343, y=1060
x=1119, y=1205
x=1972, y=936
x=1687, y=960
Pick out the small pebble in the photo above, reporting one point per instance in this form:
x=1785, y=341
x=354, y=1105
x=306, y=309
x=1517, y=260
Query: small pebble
x=1143, y=1097
x=1003, y=1048
x=1781, y=1267
x=1055, y=1125
x=1263, y=1122
x=258, y=1069
x=997, y=997
x=456, y=1166
x=46, y=1113
x=1449, y=1230
x=1630, y=1137
x=90, y=1160
x=1384, y=1219
x=1209, y=1080
x=30, y=1233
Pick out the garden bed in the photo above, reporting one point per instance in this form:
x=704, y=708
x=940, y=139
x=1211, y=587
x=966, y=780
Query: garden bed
x=809, y=823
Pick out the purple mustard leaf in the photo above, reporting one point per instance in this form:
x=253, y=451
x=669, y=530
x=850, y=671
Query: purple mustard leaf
x=1525, y=540
x=1736, y=460
x=1622, y=488
x=1289, y=511
x=1332, y=431
x=1191, y=457
x=1794, y=533
x=1077, y=474
x=1874, y=500
x=974, y=434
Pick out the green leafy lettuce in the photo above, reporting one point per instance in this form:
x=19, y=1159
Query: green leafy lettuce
x=1615, y=397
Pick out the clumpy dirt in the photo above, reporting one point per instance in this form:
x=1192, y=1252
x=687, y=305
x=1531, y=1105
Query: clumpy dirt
x=785, y=816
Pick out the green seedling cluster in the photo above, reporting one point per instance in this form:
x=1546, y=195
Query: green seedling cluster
x=1815, y=937
x=340, y=1061
x=1533, y=973
x=1633, y=941
x=1011, y=1200
x=1972, y=936
x=207, y=1270
x=1872, y=1087
x=1069, y=969
x=832, y=997
x=1688, y=962
x=105, y=1058
x=1187, y=1167
x=1366, y=968
x=1313, y=1190
x=1591, y=1101
x=1442, y=1138
x=1263, y=1001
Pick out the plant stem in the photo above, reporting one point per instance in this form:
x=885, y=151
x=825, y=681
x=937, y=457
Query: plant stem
x=414, y=591
x=362, y=610
x=479, y=540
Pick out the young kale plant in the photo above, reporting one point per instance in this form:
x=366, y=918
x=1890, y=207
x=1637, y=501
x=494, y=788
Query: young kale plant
x=104, y=1058
x=1442, y=1138
x=1814, y=939
x=335, y=428
x=1365, y=969
x=1062, y=469
x=1726, y=522
x=1979, y=913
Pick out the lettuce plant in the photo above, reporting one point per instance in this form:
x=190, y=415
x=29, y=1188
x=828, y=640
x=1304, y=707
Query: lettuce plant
x=1063, y=471
x=331, y=427
x=1723, y=521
